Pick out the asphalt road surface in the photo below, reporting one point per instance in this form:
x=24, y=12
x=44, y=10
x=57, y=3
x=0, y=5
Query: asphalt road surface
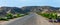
x=31, y=19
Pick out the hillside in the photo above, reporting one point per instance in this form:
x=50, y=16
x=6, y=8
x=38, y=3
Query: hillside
x=26, y=9
x=40, y=8
x=13, y=10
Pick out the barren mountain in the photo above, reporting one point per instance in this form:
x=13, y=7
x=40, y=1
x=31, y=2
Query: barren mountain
x=26, y=9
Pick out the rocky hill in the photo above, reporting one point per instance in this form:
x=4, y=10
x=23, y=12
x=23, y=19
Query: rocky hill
x=40, y=8
x=13, y=10
x=26, y=9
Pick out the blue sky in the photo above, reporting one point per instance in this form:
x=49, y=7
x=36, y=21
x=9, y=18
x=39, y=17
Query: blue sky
x=20, y=3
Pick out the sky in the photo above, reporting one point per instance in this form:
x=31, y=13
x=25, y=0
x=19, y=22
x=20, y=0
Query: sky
x=20, y=3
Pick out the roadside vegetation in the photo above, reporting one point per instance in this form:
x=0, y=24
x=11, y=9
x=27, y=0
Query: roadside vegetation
x=11, y=16
x=52, y=16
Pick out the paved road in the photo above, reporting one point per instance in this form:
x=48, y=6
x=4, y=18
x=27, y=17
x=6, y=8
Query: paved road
x=32, y=19
x=27, y=20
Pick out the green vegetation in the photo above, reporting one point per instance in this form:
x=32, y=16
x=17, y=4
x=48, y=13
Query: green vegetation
x=4, y=19
x=11, y=16
x=49, y=15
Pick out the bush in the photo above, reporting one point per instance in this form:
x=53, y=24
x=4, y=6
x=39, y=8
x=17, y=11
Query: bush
x=4, y=19
x=18, y=15
x=9, y=16
x=15, y=17
x=49, y=15
x=45, y=15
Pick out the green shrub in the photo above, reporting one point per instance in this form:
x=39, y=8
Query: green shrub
x=49, y=15
x=18, y=15
x=9, y=16
x=4, y=19
x=15, y=17
x=22, y=14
